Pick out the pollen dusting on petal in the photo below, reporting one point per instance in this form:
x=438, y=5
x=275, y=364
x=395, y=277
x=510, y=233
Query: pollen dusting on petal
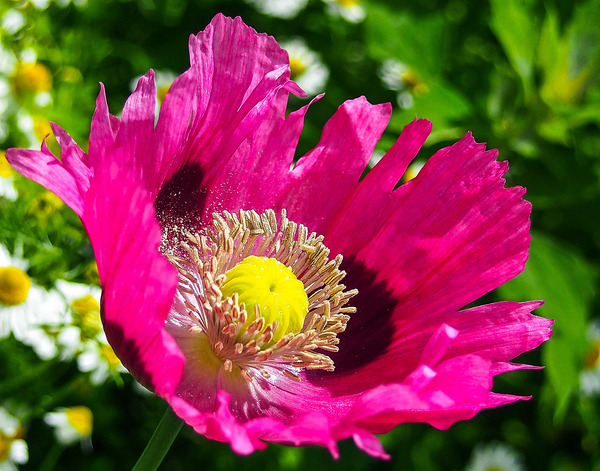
x=14, y=286
x=225, y=294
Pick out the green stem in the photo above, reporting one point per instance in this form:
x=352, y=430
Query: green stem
x=160, y=442
x=51, y=458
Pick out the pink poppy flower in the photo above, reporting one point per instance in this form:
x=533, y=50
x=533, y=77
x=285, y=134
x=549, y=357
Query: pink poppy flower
x=175, y=206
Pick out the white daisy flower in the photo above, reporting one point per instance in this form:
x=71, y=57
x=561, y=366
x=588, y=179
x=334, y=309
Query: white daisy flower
x=40, y=4
x=495, y=457
x=26, y=309
x=376, y=158
x=71, y=425
x=307, y=69
x=84, y=303
x=83, y=337
x=350, y=10
x=589, y=378
x=279, y=8
x=391, y=73
x=99, y=359
x=398, y=76
x=13, y=449
x=12, y=21
x=26, y=125
x=7, y=189
x=8, y=61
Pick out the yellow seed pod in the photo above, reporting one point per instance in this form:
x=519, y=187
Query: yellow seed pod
x=272, y=286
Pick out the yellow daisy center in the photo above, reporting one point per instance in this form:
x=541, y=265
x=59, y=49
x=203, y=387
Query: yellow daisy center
x=297, y=67
x=14, y=286
x=593, y=356
x=32, y=77
x=5, y=443
x=5, y=169
x=86, y=313
x=162, y=92
x=45, y=204
x=81, y=419
x=348, y=3
x=110, y=357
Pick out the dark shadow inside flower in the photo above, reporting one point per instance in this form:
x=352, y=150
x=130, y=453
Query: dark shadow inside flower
x=181, y=200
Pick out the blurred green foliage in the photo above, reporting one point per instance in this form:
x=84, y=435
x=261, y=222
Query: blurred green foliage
x=521, y=75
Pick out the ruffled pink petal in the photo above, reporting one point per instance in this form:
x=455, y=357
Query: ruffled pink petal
x=368, y=443
x=324, y=178
x=220, y=425
x=457, y=390
x=138, y=283
x=436, y=242
x=500, y=331
x=173, y=123
x=496, y=332
x=73, y=158
x=444, y=220
x=356, y=223
x=312, y=428
x=68, y=178
x=134, y=145
x=264, y=158
x=231, y=83
x=103, y=131
x=236, y=99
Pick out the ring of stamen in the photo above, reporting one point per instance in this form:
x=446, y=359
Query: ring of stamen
x=249, y=347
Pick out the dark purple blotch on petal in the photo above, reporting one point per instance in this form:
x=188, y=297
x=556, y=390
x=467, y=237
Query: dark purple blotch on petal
x=182, y=199
x=369, y=331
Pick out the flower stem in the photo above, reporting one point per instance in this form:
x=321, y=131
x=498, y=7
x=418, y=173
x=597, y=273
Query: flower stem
x=160, y=442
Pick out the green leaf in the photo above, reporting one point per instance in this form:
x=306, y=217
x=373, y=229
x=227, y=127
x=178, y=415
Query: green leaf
x=443, y=105
x=569, y=63
x=515, y=25
x=565, y=281
x=416, y=41
x=584, y=40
